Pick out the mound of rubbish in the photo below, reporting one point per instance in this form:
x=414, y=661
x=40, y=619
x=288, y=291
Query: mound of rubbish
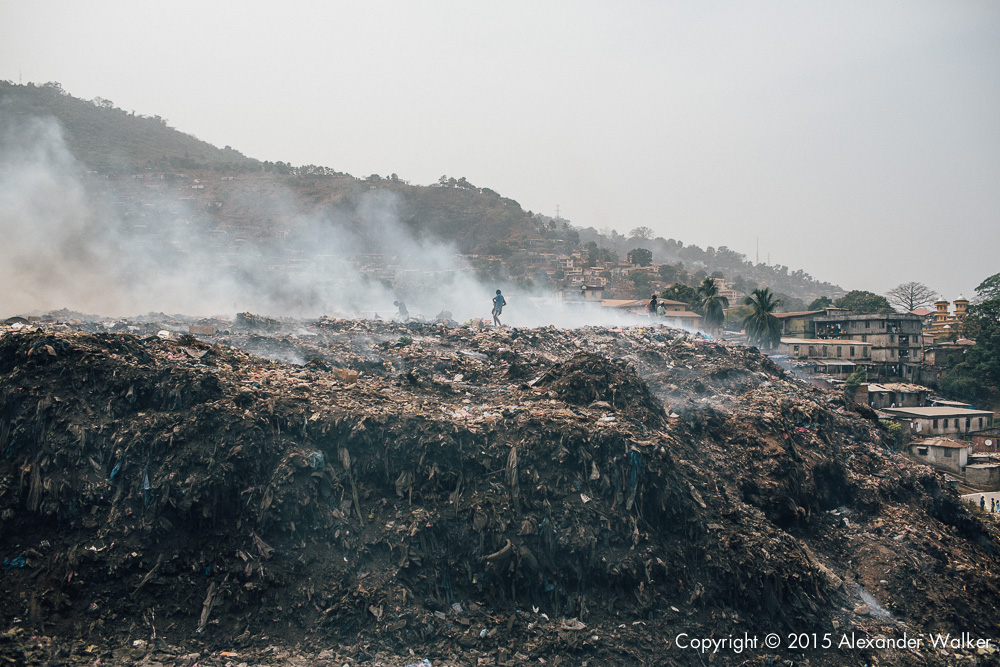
x=411, y=492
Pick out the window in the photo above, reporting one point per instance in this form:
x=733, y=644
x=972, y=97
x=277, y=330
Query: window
x=892, y=339
x=922, y=451
x=868, y=324
x=839, y=351
x=935, y=424
x=795, y=349
x=980, y=422
x=947, y=453
x=968, y=423
x=864, y=338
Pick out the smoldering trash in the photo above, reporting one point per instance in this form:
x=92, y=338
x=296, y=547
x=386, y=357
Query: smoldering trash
x=382, y=493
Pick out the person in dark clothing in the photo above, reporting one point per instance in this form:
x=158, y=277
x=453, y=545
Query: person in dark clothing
x=651, y=307
x=498, y=303
x=402, y=312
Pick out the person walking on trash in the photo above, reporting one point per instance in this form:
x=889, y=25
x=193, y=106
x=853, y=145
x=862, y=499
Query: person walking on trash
x=402, y=313
x=498, y=303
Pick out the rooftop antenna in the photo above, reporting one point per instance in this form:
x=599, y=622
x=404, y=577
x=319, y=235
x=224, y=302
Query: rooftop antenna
x=557, y=211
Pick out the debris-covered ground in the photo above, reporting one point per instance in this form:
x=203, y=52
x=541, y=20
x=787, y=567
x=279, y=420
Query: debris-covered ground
x=375, y=493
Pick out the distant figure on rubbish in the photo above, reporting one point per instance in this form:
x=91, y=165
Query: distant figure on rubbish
x=651, y=306
x=403, y=313
x=498, y=303
x=982, y=502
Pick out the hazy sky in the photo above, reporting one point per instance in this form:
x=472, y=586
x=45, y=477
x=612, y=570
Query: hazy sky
x=857, y=140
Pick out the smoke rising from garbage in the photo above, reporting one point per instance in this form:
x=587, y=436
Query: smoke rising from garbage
x=69, y=244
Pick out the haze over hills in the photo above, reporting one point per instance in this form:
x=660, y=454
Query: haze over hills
x=151, y=187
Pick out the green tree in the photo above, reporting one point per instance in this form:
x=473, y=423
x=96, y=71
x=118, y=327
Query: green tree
x=853, y=382
x=681, y=292
x=989, y=289
x=977, y=377
x=861, y=302
x=711, y=304
x=821, y=303
x=668, y=272
x=640, y=257
x=762, y=327
x=790, y=304
x=736, y=315
x=641, y=282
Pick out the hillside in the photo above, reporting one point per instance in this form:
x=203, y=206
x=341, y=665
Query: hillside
x=107, y=138
x=259, y=197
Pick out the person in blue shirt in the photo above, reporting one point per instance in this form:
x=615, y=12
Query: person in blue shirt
x=498, y=303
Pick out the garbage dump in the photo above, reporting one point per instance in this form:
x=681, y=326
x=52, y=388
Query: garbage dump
x=333, y=492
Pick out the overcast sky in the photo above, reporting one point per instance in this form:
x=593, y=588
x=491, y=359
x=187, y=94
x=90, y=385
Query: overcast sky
x=857, y=140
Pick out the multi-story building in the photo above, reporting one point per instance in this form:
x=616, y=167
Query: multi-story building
x=800, y=324
x=946, y=325
x=896, y=344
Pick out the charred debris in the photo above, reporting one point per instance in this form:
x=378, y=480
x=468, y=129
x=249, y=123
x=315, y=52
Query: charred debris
x=363, y=492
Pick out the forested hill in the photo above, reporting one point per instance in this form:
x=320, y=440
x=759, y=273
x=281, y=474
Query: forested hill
x=117, y=143
x=106, y=138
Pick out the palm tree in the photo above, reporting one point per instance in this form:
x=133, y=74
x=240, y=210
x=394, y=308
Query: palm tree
x=712, y=304
x=762, y=327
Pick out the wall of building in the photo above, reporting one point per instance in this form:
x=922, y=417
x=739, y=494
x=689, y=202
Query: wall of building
x=952, y=458
x=928, y=426
x=983, y=474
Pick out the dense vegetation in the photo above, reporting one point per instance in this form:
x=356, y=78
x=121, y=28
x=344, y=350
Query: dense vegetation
x=977, y=377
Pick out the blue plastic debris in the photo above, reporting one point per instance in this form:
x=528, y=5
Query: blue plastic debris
x=114, y=471
x=16, y=562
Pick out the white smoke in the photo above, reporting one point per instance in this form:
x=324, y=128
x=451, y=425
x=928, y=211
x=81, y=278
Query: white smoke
x=68, y=243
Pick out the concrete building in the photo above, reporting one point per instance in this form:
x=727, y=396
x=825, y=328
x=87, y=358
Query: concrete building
x=800, y=324
x=941, y=452
x=896, y=344
x=938, y=420
x=833, y=348
x=982, y=470
x=986, y=441
x=897, y=395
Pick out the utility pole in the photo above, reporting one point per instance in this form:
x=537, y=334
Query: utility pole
x=557, y=211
